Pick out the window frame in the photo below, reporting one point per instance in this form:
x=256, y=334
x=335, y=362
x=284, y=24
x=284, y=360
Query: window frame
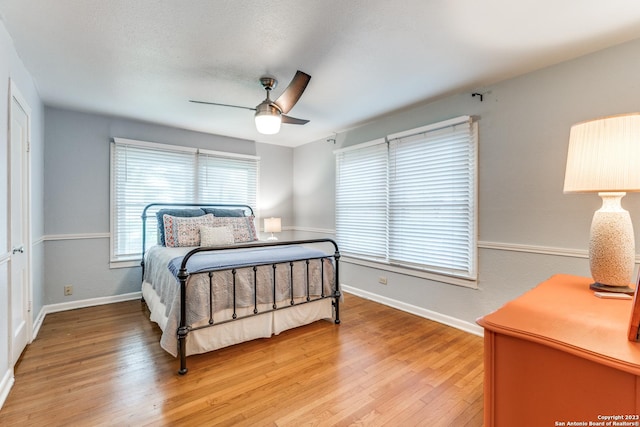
x=467, y=278
x=122, y=261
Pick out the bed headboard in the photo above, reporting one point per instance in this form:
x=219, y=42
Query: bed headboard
x=222, y=209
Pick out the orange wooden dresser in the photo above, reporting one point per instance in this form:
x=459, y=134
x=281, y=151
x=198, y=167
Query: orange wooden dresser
x=559, y=356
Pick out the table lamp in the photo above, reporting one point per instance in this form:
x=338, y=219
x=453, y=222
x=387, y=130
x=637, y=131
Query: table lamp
x=604, y=157
x=272, y=225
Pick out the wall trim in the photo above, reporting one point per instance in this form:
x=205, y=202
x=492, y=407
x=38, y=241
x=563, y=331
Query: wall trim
x=72, y=305
x=313, y=230
x=533, y=249
x=78, y=236
x=483, y=244
x=37, y=323
x=498, y=246
x=463, y=325
x=5, y=386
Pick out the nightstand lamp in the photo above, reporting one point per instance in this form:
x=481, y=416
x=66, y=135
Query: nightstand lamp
x=272, y=225
x=604, y=157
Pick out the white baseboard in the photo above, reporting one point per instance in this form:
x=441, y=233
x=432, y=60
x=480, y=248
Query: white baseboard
x=5, y=386
x=53, y=308
x=38, y=323
x=463, y=325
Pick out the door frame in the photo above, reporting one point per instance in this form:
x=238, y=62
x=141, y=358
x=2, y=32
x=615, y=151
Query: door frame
x=16, y=95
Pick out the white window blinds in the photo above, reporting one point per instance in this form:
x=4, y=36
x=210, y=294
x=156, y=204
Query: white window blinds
x=143, y=173
x=423, y=213
x=227, y=179
x=361, y=200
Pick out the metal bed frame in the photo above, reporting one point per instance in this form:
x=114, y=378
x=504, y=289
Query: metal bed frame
x=183, y=276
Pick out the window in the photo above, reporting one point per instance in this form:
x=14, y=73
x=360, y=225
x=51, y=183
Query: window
x=409, y=200
x=362, y=200
x=145, y=172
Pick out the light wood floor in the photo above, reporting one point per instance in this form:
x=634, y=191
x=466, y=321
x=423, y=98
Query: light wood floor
x=103, y=366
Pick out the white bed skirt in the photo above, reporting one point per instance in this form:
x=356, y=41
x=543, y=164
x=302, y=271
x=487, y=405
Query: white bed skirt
x=259, y=326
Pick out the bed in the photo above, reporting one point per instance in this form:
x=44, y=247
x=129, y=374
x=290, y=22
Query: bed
x=209, y=283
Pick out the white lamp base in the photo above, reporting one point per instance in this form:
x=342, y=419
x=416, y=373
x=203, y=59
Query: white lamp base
x=612, y=246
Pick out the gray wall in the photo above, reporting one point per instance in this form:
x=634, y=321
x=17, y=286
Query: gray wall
x=11, y=67
x=276, y=187
x=523, y=130
x=77, y=196
x=314, y=186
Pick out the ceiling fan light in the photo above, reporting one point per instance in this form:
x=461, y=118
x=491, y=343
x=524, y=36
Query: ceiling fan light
x=268, y=124
x=268, y=120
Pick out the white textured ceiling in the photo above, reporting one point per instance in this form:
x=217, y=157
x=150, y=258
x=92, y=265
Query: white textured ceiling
x=144, y=59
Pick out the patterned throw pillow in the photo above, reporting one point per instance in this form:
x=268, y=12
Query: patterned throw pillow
x=174, y=212
x=216, y=236
x=243, y=228
x=184, y=231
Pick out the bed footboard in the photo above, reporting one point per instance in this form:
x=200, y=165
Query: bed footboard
x=183, y=275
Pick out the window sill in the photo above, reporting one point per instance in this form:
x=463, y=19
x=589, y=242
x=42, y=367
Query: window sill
x=423, y=274
x=124, y=263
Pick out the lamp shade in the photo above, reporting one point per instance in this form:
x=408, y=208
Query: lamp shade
x=603, y=155
x=272, y=225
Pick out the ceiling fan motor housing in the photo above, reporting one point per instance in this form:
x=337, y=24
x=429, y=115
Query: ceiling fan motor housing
x=268, y=82
x=267, y=107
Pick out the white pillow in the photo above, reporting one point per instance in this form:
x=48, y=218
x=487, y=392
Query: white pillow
x=216, y=236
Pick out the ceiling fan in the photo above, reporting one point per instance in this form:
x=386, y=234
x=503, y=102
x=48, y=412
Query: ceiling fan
x=270, y=114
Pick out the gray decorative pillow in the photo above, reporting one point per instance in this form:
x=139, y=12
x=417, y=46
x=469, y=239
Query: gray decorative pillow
x=224, y=212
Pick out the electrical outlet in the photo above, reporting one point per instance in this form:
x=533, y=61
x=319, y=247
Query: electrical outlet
x=68, y=290
x=382, y=280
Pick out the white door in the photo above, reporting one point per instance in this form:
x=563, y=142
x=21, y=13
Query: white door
x=20, y=290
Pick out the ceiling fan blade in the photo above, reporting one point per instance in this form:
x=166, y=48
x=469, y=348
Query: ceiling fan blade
x=292, y=93
x=293, y=121
x=222, y=105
